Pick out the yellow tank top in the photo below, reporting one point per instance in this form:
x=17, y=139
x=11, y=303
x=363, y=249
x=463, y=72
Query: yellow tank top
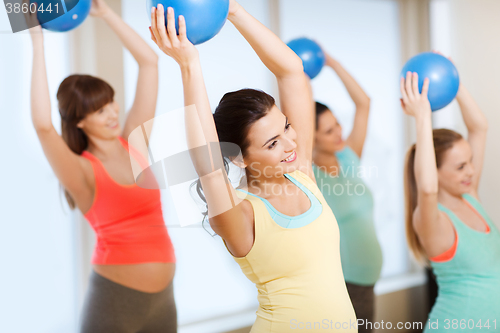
x=298, y=272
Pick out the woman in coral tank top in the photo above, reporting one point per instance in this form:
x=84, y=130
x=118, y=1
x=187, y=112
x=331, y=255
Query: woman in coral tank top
x=134, y=262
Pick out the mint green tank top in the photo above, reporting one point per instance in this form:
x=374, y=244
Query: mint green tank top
x=469, y=283
x=352, y=203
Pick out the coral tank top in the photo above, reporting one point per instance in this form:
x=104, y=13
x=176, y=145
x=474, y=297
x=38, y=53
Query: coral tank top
x=127, y=219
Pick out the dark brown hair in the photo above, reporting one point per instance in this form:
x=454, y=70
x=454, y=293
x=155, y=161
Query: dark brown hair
x=237, y=112
x=444, y=140
x=79, y=96
x=320, y=109
x=234, y=116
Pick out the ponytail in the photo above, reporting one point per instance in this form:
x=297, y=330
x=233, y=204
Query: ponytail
x=411, y=196
x=443, y=140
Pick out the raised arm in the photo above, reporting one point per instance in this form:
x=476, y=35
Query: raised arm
x=477, y=126
x=144, y=106
x=295, y=94
x=68, y=166
x=426, y=219
x=228, y=218
x=357, y=137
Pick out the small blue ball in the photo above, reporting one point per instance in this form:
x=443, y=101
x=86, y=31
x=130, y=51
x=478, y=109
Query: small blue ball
x=311, y=54
x=443, y=76
x=204, y=18
x=77, y=12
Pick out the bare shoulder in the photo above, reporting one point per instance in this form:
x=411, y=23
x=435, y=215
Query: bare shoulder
x=474, y=194
x=421, y=225
x=84, y=195
x=239, y=237
x=88, y=171
x=437, y=236
x=247, y=213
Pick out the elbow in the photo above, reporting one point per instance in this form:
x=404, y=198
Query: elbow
x=295, y=66
x=479, y=128
x=364, y=104
x=151, y=60
x=483, y=127
x=368, y=101
x=43, y=128
x=428, y=191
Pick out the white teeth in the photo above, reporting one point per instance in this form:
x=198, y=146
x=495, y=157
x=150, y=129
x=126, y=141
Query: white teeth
x=291, y=157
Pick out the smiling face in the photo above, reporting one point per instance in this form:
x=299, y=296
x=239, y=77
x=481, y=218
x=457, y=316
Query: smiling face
x=456, y=170
x=103, y=123
x=272, y=147
x=328, y=136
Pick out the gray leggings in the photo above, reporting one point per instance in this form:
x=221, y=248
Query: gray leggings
x=363, y=301
x=113, y=308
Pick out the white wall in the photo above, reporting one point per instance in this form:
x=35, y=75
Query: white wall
x=364, y=36
x=37, y=281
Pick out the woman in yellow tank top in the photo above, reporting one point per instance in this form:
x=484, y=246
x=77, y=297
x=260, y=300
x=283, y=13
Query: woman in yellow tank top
x=278, y=228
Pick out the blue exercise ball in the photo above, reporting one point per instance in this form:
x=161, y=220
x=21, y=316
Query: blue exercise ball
x=311, y=54
x=76, y=12
x=204, y=18
x=443, y=76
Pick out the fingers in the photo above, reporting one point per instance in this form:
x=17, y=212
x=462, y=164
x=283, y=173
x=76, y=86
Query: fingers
x=153, y=36
x=182, y=28
x=172, y=31
x=404, y=95
x=409, y=90
x=425, y=88
x=403, y=106
x=30, y=16
x=158, y=27
x=154, y=26
x=416, y=91
x=160, y=21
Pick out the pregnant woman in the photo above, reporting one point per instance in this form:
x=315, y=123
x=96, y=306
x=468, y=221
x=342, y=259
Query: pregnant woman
x=130, y=289
x=445, y=221
x=337, y=167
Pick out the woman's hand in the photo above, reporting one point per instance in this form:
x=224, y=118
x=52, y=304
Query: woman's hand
x=178, y=47
x=233, y=7
x=330, y=61
x=414, y=103
x=99, y=8
x=32, y=21
x=461, y=89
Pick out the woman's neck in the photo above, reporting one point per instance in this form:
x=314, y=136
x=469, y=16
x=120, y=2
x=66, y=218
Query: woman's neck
x=448, y=199
x=267, y=186
x=103, y=148
x=324, y=159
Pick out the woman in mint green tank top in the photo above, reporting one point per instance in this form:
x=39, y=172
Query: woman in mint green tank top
x=446, y=224
x=336, y=167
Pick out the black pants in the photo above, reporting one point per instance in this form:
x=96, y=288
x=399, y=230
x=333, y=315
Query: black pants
x=363, y=301
x=113, y=308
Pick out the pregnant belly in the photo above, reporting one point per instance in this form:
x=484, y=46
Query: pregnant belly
x=148, y=277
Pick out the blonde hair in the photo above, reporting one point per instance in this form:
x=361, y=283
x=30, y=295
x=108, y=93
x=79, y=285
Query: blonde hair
x=444, y=140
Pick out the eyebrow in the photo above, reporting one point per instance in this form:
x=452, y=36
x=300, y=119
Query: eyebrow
x=277, y=136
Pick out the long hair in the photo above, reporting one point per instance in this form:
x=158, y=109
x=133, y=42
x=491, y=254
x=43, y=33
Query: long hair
x=233, y=117
x=320, y=109
x=444, y=140
x=78, y=96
